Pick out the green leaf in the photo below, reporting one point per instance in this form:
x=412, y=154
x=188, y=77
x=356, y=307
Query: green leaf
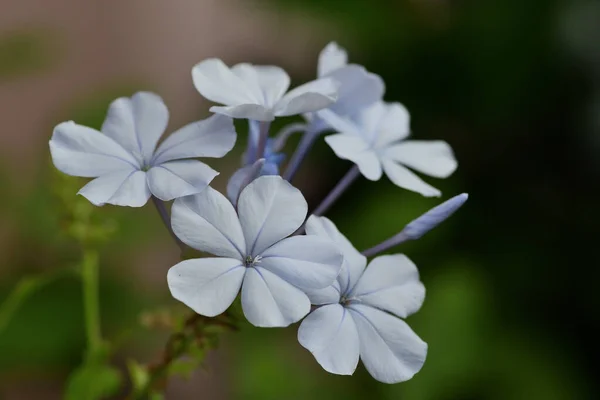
x=26, y=286
x=93, y=382
x=138, y=375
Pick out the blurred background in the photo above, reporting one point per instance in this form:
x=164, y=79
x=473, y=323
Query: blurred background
x=514, y=87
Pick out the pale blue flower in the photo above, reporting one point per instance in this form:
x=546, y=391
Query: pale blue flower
x=359, y=316
x=256, y=254
x=375, y=141
x=125, y=160
x=259, y=92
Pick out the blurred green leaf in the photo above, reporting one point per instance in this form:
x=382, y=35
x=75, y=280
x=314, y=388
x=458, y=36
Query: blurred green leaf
x=24, y=288
x=93, y=382
x=138, y=374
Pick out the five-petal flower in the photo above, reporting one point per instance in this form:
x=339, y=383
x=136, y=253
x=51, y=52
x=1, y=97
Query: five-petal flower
x=374, y=141
x=272, y=269
x=258, y=92
x=125, y=161
x=358, y=315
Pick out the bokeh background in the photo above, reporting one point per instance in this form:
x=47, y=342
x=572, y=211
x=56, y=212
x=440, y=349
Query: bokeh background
x=512, y=85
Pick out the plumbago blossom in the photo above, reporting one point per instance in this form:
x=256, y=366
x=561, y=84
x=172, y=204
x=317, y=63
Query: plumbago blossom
x=359, y=314
x=374, y=139
x=255, y=252
x=125, y=161
x=283, y=266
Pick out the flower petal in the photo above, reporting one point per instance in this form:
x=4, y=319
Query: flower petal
x=405, y=178
x=339, y=123
x=81, y=151
x=206, y=285
x=434, y=158
x=211, y=137
x=384, y=123
x=354, y=262
x=270, y=209
x=308, y=262
x=268, y=81
x=355, y=149
x=391, y=283
x=247, y=111
x=311, y=96
x=358, y=89
x=207, y=222
x=331, y=58
x=215, y=81
x=390, y=350
x=121, y=188
x=329, y=295
x=137, y=123
x=270, y=301
x=179, y=178
x=330, y=334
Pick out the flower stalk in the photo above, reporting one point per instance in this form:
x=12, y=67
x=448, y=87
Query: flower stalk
x=91, y=304
x=337, y=191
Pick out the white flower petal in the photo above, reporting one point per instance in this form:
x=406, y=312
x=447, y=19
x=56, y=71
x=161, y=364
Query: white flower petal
x=207, y=221
x=330, y=334
x=308, y=262
x=215, y=81
x=389, y=349
x=270, y=209
x=121, y=188
x=179, y=178
x=405, y=178
x=254, y=112
x=355, y=149
x=358, y=89
x=329, y=295
x=210, y=137
x=331, y=58
x=341, y=124
x=81, y=151
x=311, y=96
x=206, y=285
x=391, y=283
x=268, y=82
x=137, y=123
x=434, y=158
x=269, y=301
x=354, y=262
x=384, y=123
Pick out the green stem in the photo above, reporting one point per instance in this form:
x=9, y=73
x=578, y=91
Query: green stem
x=89, y=276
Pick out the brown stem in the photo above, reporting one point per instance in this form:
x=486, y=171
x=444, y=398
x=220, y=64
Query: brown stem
x=178, y=345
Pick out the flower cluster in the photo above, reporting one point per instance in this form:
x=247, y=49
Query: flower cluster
x=285, y=268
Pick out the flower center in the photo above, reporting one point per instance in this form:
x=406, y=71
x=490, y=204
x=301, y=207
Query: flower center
x=252, y=261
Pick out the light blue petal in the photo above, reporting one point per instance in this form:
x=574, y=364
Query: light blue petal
x=179, y=178
x=269, y=301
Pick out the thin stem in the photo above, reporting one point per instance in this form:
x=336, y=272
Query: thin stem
x=285, y=134
x=194, y=333
x=337, y=190
x=91, y=303
x=299, y=155
x=262, y=140
x=387, y=244
x=164, y=215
